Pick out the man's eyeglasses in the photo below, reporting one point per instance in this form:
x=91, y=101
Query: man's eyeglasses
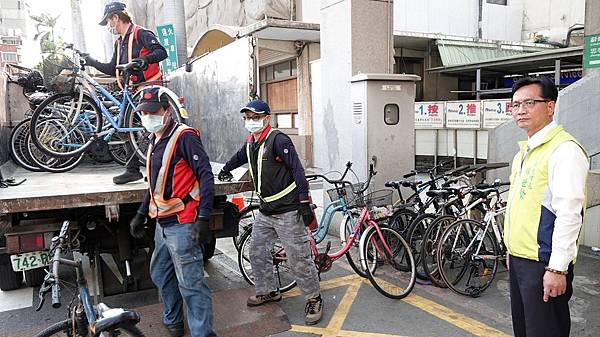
x=515, y=106
x=254, y=118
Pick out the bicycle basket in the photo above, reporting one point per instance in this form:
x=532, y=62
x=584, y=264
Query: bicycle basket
x=352, y=200
x=59, y=74
x=379, y=198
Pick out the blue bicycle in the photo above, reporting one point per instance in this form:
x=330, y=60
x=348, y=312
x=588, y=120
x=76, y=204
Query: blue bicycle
x=83, y=112
x=84, y=319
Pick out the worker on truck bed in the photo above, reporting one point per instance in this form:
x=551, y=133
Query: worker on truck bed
x=180, y=198
x=134, y=43
x=285, y=209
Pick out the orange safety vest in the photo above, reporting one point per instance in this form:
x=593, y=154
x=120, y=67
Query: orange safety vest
x=159, y=206
x=151, y=74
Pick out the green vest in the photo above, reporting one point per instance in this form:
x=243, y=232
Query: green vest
x=273, y=181
x=528, y=225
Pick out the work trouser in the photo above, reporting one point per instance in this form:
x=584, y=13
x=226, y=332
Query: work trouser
x=293, y=236
x=177, y=270
x=531, y=316
x=134, y=163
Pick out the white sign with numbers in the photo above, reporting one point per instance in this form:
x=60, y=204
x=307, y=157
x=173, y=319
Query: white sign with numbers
x=496, y=112
x=429, y=115
x=463, y=115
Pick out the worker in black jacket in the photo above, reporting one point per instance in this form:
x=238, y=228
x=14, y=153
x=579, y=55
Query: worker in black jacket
x=285, y=209
x=136, y=44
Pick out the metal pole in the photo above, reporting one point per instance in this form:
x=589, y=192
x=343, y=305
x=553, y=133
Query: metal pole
x=435, y=149
x=557, y=72
x=455, y=148
x=475, y=149
x=478, y=83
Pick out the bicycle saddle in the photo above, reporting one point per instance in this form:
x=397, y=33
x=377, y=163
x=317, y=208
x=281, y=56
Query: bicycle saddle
x=484, y=192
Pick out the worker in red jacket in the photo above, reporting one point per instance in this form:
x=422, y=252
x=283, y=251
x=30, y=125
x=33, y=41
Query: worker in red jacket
x=134, y=43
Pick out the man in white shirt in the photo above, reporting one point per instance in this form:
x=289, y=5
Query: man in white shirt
x=545, y=213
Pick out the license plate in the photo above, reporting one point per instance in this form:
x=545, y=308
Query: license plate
x=32, y=260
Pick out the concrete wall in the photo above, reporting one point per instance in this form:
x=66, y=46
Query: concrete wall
x=214, y=92
x=332, y=119
x=308, y=11
x=502, y=22
x=551, y=18
x=459, y=18
x=449, y=17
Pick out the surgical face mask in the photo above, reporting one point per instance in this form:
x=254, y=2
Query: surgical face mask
x=111, y=29
x=153, y=123
x=253, y=126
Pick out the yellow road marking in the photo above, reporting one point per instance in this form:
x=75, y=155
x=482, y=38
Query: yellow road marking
x=334, y=328
x=341, y=333
x=325, y=285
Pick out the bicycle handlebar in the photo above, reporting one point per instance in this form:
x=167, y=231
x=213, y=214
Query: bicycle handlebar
x=52, y=281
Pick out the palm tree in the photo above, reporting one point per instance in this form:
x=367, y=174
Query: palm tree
x=45, y=31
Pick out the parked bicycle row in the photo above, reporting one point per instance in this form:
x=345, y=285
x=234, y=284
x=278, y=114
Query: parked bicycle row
x=447, y=221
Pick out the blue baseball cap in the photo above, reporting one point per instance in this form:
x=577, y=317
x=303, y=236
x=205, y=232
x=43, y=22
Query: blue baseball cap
x=110, y=9
x=257, y=106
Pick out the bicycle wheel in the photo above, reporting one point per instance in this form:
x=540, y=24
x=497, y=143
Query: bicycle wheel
x=247, y=217
x=62, y=328
x=117, y=148
x=18, y=146
x=468, y=257
x=415, y=235
x=138, y=140
x=395, y=272
x=353, y=253
x=282, y=272
x=401, y=220
x=72, y=128
x=49, y=163
x=429, y=248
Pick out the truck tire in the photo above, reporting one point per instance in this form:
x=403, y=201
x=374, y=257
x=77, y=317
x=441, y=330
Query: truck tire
x=9, y=280
x=35, y=277
x=208, y=250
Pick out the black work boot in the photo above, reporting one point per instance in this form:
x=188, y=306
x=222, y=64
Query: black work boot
x=128, y=176
x=175, y=330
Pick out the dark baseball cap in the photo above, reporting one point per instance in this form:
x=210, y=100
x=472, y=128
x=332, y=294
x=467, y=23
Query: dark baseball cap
x=150, y=101
x=257, y=106
x=110, y=9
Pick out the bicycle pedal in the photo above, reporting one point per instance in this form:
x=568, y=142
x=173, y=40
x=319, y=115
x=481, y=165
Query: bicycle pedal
x=328, y=247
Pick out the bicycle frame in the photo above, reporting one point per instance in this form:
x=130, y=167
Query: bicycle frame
x=325, y=223
x=93, y=87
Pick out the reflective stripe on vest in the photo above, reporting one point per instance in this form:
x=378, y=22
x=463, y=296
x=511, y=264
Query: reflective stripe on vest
x=160, y=207
x=261, y=149
x=529, y=224
x=132, y=36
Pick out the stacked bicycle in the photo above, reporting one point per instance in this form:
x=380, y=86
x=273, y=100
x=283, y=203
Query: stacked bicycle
x=373, y=250
x=83, y=115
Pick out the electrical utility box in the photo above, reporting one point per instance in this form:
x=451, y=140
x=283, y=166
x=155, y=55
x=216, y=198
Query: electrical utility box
x=383, y=125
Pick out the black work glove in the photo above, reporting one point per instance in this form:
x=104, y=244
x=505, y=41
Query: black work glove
x=306, y=213
x=89, y=60
x=142, y=63
x=136, y=226
x=225, y=175
x=201, y=232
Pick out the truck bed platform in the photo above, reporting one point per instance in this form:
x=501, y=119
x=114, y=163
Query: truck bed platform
x=86, y=185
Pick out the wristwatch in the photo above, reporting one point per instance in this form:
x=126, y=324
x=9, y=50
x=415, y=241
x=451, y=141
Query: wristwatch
x=556, y=271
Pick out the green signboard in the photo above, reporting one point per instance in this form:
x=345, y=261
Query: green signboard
x=591, y=52
x=166, y=36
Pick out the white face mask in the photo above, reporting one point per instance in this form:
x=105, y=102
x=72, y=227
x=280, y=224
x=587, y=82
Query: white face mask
x=111, y=29
x=153, y=123
x=253, y=126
